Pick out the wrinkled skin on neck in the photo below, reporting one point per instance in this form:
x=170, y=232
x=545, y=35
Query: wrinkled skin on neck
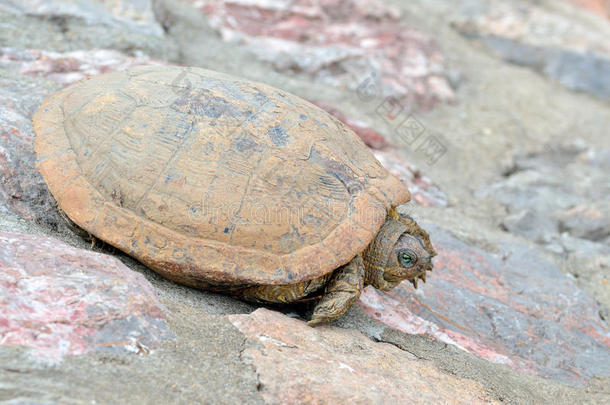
x=400, y=251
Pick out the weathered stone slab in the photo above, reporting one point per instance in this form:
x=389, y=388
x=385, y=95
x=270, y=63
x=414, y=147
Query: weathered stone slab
x=356, y=44
x=60, y=300
x=22, y=189
x=68, y=25
x=299, y=364
x=548, y=38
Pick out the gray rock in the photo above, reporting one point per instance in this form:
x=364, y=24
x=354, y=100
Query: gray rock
x=579, y=71
x=22, y=189
x=573, y=50
x=587, y=221
x=531, y=189
x=64, y=25
x=530, y=224
x=202, y=365
x=562, y=188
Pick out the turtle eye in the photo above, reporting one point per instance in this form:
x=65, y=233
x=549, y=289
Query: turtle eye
x=406, y=257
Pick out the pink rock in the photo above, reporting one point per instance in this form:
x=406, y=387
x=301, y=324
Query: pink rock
x=514, y=307
x=299, y=364
x=60, y=300
x=344, y=43
x=69, y=67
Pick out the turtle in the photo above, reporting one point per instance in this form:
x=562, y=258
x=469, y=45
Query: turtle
x=225, y=184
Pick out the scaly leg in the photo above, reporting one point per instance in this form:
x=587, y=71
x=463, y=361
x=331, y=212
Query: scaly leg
x=342, y=291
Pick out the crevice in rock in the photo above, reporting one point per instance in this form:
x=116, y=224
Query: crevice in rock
x=399, y=346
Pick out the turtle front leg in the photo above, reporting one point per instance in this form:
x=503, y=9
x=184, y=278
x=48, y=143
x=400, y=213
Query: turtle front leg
x=342, y=291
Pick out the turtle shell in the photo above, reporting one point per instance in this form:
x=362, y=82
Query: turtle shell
x=211, y=179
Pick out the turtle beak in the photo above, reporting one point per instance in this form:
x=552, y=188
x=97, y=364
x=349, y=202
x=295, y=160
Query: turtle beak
x=426, y=266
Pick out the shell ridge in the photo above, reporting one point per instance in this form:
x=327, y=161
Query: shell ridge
x=167, y=164
x=247, y=190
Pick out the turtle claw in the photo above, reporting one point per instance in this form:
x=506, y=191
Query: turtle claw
x=414, y=282
x=316, y=321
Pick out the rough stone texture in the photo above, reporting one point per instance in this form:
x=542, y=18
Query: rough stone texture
x=513, y=307
x=69, y=25
x=22, y=190
x=358, y=44
x=561, y=188
x=531, y=225
x=574, y=50
x=542, y=24
x=68, y=67
x=202, y=365
x=299, y=364
x=62, y=300
x=506, y=385
x=587, y=221
x=558, y=197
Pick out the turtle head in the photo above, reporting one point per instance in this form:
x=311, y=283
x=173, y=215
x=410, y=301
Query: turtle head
x=401, y=251
x=410, y=260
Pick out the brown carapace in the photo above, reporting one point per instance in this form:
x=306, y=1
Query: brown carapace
x=220, y=183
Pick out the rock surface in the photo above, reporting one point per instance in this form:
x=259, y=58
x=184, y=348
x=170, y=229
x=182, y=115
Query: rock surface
x=512, y=307
x=68, y=67
x=299, y=364
x=559, y=198
x=574, y=50
x=65, y=25
x=61, y=300
x=22, y=190
x=355, y=43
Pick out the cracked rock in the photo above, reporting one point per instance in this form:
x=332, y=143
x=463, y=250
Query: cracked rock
x=296, y=363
